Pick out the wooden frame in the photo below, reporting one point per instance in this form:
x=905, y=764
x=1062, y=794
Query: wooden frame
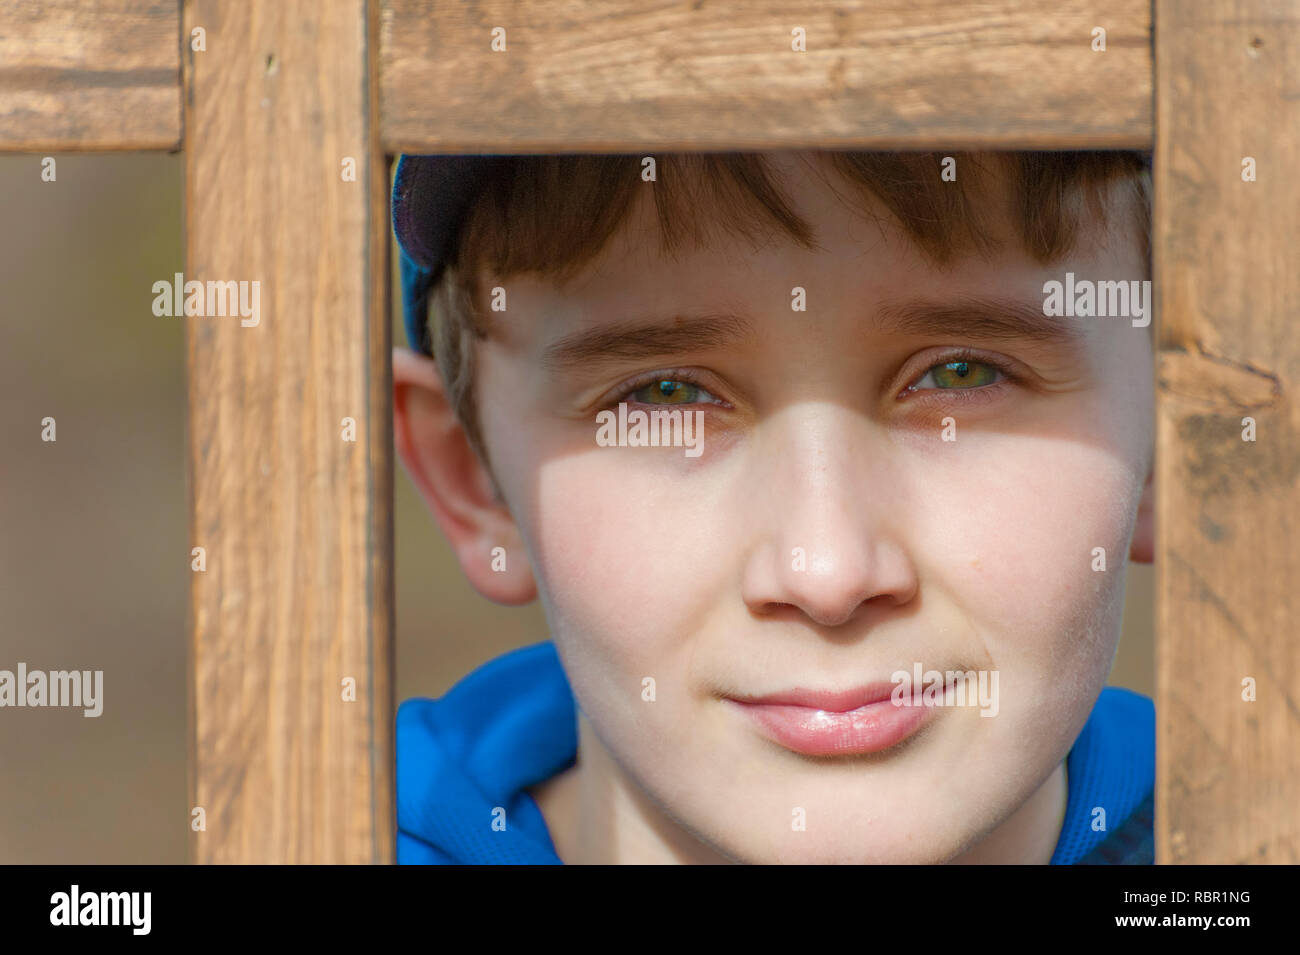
x=298, y=595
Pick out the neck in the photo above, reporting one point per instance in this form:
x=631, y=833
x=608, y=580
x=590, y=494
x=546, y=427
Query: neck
x=597, y=815
x=1029, y=835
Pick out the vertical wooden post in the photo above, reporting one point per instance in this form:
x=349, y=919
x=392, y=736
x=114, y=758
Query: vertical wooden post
x=295, y=603
x=1228, y=508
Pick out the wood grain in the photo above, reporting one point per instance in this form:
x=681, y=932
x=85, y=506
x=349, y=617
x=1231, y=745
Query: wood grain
x=104, y=74
x=1228, y=510
x=297, y=522
x=89, y=75
x=910, y=74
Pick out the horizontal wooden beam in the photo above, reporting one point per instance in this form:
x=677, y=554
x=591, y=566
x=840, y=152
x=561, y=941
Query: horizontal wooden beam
x=89, y=75
x=880, y=74
x=105, y=74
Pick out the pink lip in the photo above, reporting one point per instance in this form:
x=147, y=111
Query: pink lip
x=819, y=723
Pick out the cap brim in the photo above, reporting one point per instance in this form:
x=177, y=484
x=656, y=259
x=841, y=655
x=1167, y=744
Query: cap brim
x=430, y=197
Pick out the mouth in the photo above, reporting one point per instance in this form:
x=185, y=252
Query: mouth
x=825, y=723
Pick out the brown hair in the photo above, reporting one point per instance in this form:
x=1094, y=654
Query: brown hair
x=553, y=214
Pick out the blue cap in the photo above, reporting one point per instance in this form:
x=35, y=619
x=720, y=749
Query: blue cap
x=431, y=195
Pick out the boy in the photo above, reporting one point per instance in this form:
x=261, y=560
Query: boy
x=870, y=619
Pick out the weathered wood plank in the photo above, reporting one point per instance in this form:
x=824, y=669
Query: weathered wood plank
x=296, y=520
x=89, y=75
x=1228, y=509
x=882, y=74
x=103, y=74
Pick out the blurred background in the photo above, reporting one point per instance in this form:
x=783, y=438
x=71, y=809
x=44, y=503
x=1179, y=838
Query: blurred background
x=94, y=558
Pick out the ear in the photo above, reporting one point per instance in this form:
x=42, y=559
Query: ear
x=437, y=454
x=1142, y=550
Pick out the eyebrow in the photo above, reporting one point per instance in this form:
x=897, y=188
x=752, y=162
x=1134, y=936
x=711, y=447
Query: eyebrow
x=640, y=339
x=987, y=318
x=981, y=317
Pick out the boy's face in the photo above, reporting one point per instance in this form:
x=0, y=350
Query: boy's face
x=828, y=535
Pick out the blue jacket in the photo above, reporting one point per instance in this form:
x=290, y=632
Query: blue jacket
x=513, y=723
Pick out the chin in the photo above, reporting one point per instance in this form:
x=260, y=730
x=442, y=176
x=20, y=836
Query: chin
x=845, y=846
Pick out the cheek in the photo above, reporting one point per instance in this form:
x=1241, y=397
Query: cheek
x=1019, y=549
x=626, y=556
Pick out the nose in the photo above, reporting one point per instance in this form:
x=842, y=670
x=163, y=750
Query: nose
x=826, y=504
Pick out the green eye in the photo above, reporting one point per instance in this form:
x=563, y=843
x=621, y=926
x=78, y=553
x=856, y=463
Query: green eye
x=959, y=375
x=667, y=391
